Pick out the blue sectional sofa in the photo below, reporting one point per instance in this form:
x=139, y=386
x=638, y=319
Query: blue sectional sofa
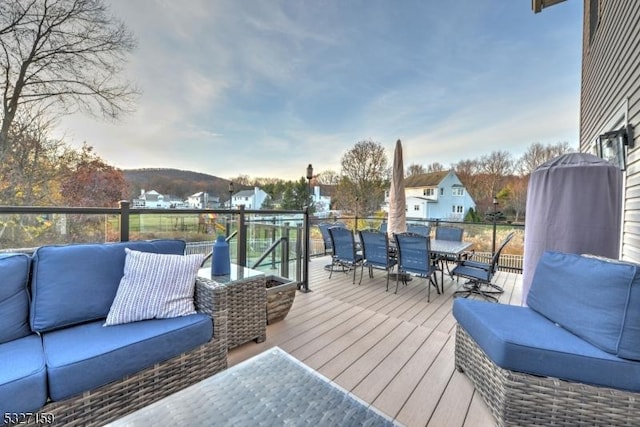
x=58, y=358
x=572, y=357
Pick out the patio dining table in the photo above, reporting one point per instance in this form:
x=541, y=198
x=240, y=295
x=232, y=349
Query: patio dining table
x=449, y=248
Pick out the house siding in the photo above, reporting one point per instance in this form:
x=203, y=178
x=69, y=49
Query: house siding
x=611, y=84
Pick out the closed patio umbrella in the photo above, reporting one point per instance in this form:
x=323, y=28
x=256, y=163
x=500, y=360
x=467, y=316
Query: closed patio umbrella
x=397, y=222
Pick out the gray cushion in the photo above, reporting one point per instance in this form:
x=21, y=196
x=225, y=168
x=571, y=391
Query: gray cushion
x=155, y=286
x=593, y=298
x=77, y=283
x=14, y=298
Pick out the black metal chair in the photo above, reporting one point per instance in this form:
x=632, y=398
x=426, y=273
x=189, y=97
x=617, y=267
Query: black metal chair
x=480, y=274
x=375, y=251
x=345, y=252
x=414, y=258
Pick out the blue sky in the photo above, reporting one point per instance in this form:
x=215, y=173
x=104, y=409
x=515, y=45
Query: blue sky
x=262, y=88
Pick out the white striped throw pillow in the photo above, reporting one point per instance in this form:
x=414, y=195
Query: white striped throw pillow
x=154, y=286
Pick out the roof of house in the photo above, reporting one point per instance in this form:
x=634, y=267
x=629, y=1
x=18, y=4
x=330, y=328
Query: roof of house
x=244, y=193
x=538, y=5
x=431, y=179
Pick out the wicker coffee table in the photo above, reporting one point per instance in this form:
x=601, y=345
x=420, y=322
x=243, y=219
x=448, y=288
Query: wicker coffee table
x=272, y=388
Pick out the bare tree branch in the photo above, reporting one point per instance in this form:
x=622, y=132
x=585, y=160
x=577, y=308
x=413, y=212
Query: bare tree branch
x=66, y=53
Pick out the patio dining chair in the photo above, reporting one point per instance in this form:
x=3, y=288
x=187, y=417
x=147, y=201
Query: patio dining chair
x=326, y=239
x=375, y=253
x=414, y=258
x=453, y=234
x=420, y=229
x=480, y=274
x=345, y=253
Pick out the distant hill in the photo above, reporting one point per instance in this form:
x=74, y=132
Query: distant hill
x=175, y=182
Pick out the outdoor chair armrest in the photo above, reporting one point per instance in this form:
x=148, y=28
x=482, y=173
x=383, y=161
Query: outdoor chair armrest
x=476, y=264
x=211, y=299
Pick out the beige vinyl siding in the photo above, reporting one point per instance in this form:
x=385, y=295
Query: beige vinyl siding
x=611, y=75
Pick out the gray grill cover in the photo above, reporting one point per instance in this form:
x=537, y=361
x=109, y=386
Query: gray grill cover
x=574, y=205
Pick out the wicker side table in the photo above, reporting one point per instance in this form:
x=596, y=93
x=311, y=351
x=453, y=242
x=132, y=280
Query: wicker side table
x=246, y=302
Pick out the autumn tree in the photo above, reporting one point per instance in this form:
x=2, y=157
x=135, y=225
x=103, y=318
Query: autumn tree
x=89, y=181
x=29, y=174
x=364, y=178
x=63, y=56
x=435, y=167
x=328, y=177
x=538, y=154
x=415, y=169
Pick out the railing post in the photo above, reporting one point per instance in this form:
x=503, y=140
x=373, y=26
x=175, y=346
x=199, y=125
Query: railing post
x=307, y=238
x=284, y=265
x=242, y=238
x=124, y=220
x=273, y=239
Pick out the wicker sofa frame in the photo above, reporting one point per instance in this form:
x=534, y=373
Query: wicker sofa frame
x=116, y=399
x=518, y=399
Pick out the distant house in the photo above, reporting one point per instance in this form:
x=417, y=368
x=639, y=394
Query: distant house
x=203, y=200
x=321, y=200
x=436, y=195
x=151, y=200
x=251, y=199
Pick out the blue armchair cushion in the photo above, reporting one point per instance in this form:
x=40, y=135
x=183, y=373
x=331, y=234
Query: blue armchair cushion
x=77, y=283
x=23, y=377
x=520, y=339
x=14, y=296
x=155, y=286
x=87, y=356
x=595, y=299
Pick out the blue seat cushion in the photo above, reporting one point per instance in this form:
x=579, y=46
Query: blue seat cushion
x=73, y=284
x=14, y=296
x=23, y=376
x=83, y=357
x=519, y=339
x=594, y=298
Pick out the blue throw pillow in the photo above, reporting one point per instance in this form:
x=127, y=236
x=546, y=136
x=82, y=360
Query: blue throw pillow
x=590, y=297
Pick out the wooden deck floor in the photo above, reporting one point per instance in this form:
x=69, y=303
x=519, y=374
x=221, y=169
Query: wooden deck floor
x=395, y=351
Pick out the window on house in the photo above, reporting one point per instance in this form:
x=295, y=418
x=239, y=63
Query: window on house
x=456, y=209
x=442, y=191
x=428, y=192
x=416, y=207
x=458, y=191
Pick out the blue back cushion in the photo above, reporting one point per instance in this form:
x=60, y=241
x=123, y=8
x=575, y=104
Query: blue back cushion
x=595, y=299
x=14, y=297
x=77, y=283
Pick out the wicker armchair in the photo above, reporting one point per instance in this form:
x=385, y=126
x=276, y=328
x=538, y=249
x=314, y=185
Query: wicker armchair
x=519, y=399
x=114, y=400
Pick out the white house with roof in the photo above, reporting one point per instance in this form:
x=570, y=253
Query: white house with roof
x=321, y=200
x=251, y=199
x=436, y=195
x=151, y=200
x=203, y=200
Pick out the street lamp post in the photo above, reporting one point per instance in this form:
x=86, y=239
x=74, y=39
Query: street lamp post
x=230, y=193
x=309, y=176
x=307, y=243
x=495, y=217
